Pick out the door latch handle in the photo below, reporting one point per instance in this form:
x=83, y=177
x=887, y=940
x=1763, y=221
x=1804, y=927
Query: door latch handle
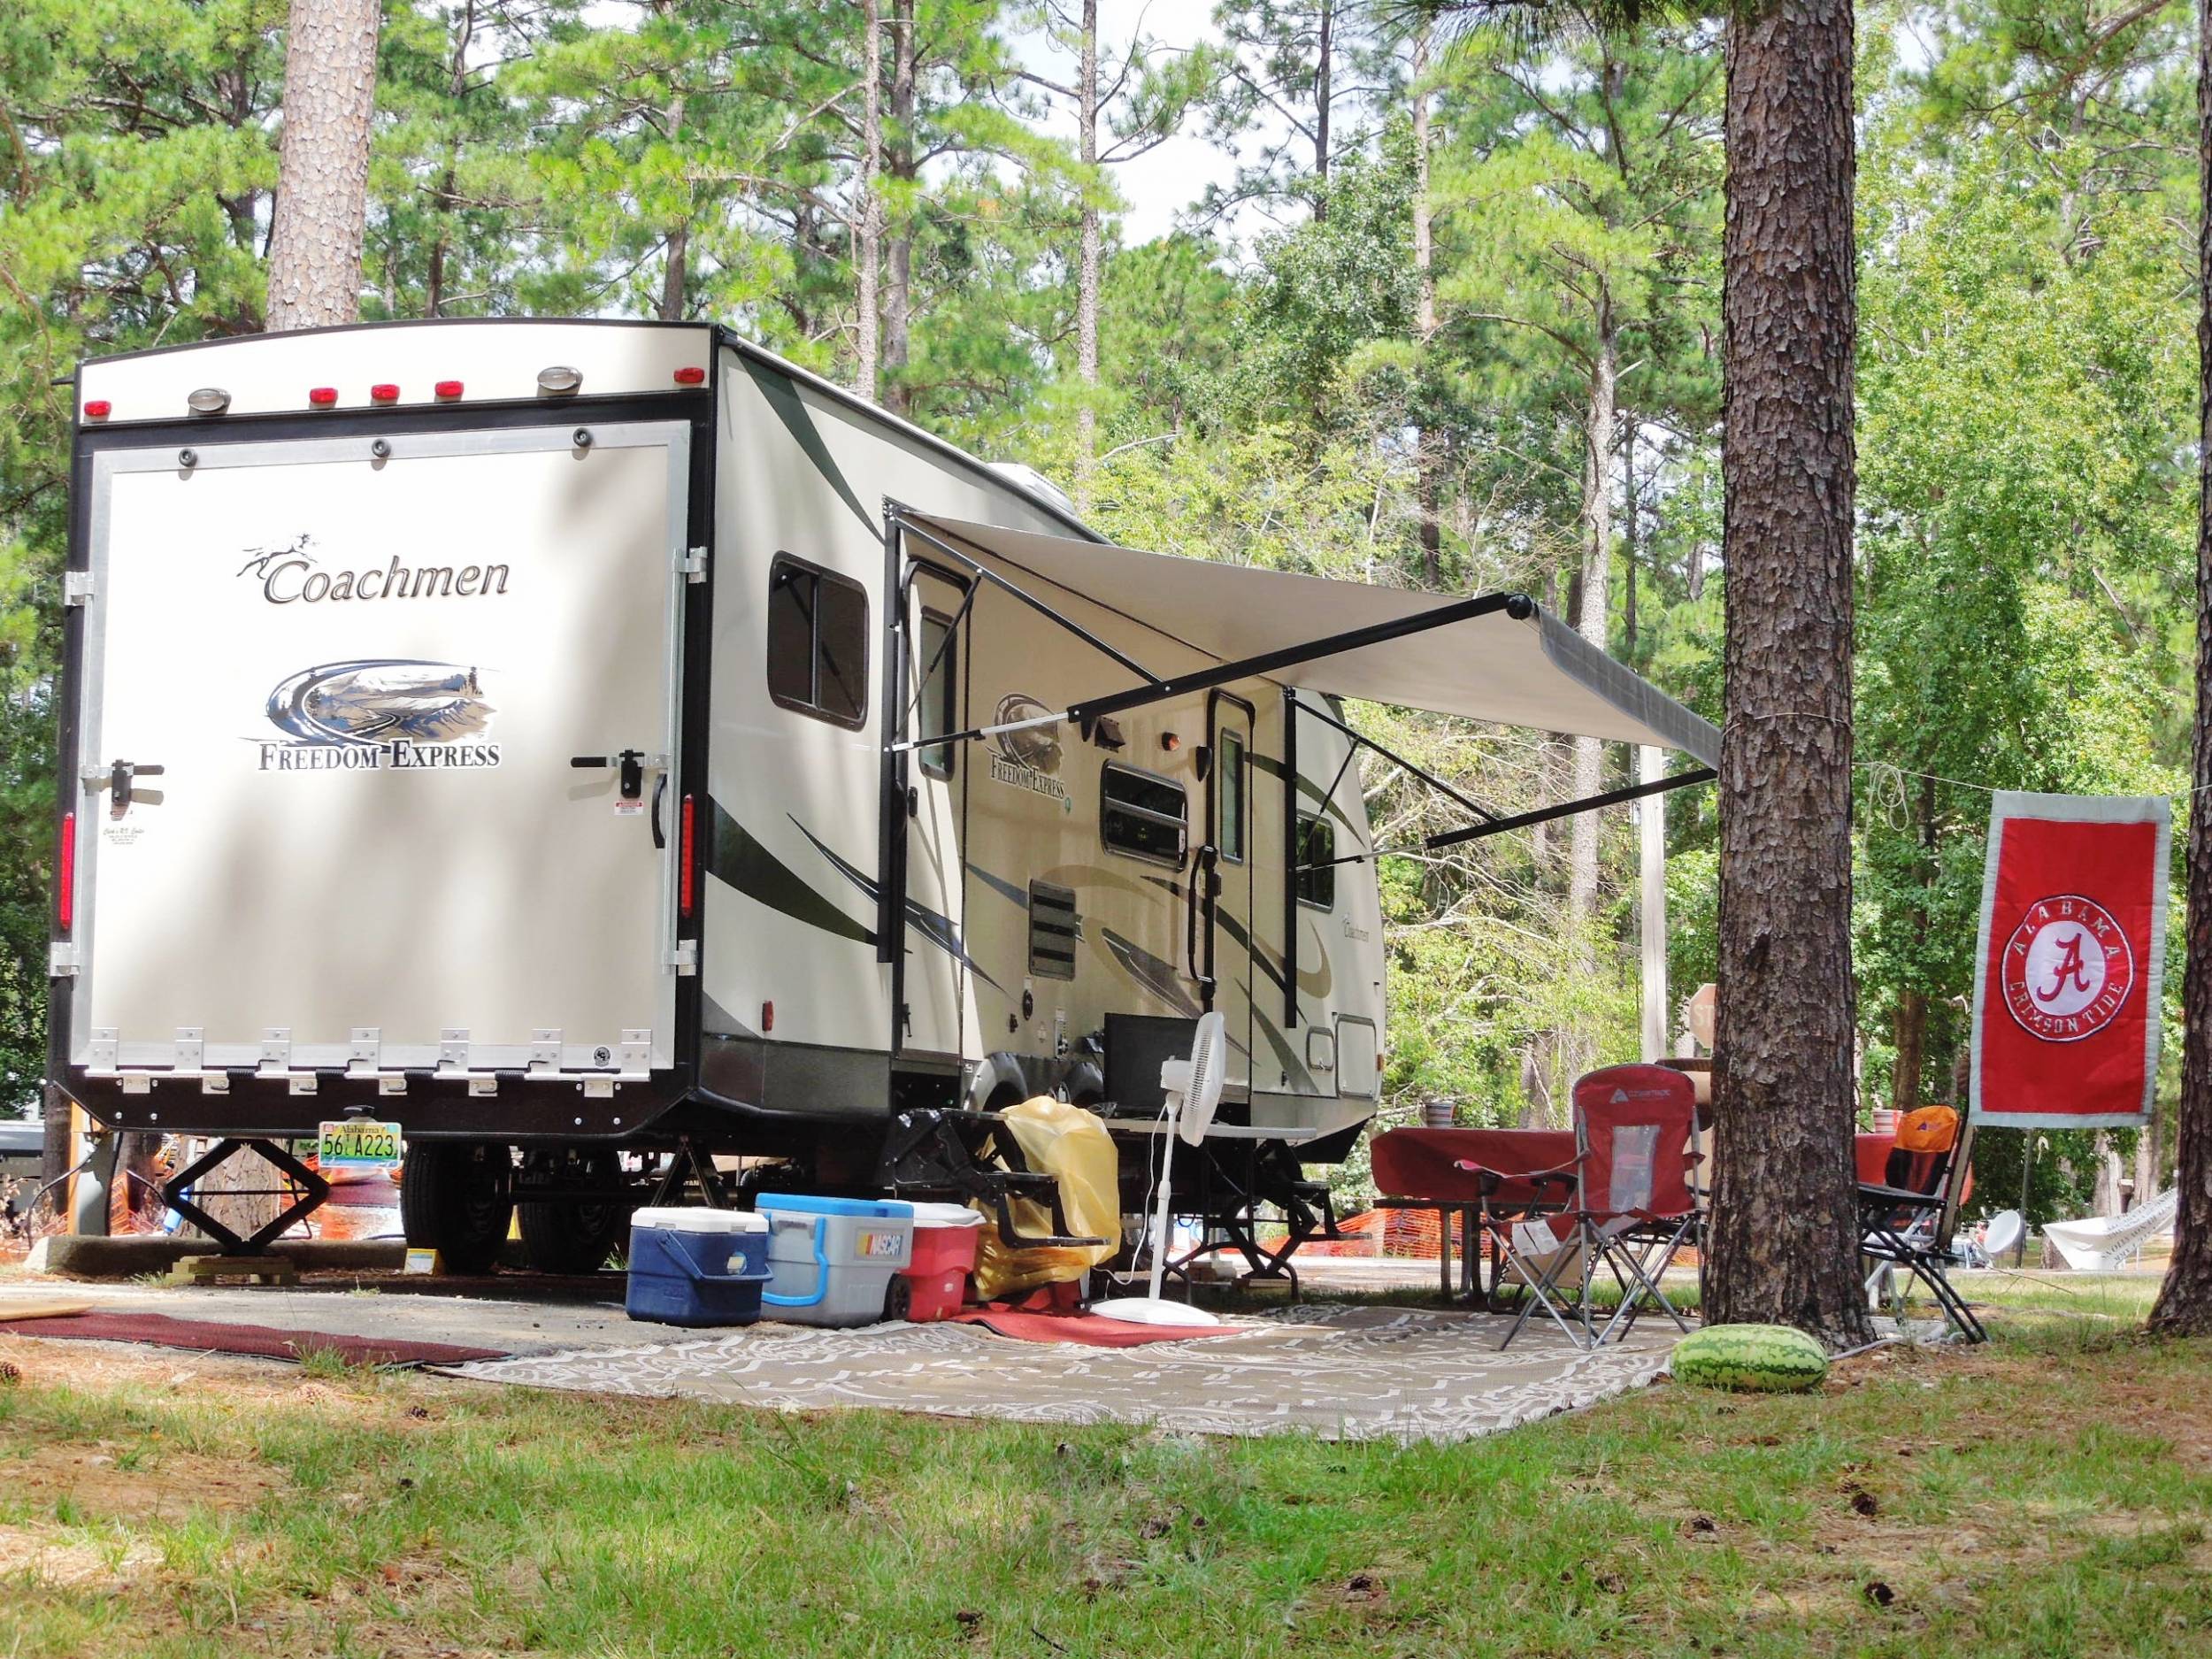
x=631, y=761
x=660, y=835
x=122, y=785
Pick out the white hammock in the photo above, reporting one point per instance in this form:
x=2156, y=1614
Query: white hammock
x=2102, y=1244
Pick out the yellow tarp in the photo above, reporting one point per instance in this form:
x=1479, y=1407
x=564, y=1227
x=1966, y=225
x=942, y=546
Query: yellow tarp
x=1073, y=1145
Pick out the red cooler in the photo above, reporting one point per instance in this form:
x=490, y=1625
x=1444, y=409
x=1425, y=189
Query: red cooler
x=935, y=1283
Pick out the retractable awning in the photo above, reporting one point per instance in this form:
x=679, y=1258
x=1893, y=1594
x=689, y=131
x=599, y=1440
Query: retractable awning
x=1499, y=659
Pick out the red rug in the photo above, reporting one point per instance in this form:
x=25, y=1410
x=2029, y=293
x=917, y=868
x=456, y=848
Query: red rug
x=1089, y=1329
x=260, y=1341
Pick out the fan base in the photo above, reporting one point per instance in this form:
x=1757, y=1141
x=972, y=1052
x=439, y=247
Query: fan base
x=1151, y=1311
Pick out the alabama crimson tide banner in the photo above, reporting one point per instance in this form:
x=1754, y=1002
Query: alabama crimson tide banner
x=2070, y=960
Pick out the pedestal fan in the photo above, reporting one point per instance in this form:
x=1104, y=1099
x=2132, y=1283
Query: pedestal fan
x=1193, y=1092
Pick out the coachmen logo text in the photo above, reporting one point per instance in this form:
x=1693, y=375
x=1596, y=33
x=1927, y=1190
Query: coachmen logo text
x=289, y=576
x=382, y=714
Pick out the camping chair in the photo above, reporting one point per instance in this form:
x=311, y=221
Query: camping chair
x=1906, y=1222
x=1631, y=1207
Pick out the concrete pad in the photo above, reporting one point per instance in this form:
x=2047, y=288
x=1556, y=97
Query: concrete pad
x=130, y=1255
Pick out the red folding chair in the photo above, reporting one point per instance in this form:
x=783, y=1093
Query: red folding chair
x=1632, y=1207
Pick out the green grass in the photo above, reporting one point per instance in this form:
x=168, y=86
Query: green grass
x=2045, y=1496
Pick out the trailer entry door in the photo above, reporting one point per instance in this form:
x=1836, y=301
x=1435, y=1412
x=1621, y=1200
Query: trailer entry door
x=328, y=815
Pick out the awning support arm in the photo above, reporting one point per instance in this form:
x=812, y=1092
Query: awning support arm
x=1544, y=815
x=1033, y=603
x=1396, y=759
x=1518, y=605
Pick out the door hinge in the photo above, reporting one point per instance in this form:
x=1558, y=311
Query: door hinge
x=694, y=565
x=685, y=957
x=77, y=588
x=63, y=959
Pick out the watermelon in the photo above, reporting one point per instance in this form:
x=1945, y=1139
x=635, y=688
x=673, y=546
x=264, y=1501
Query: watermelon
x=1768, y=1358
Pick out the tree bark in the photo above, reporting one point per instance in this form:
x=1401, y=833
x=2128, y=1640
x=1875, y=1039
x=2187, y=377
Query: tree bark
x=321, y=209
x=1784, y=1239
x=868, y=370
x=899, y=162
x=1087, y=270
x=1427, y=458
x=2184, y=1301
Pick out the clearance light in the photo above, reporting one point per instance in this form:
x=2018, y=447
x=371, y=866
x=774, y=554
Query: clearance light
x=209, y=400
x=685, y=845
x=448, y=390
x=98, y=409
x=560, y=381
x=66, y=868
x=691, y=377
x=1170, y=741
x=767, y=1016
x=322, y=397
x=384, y=392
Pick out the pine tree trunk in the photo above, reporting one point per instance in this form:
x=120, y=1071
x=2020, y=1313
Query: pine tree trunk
x=449, y=182
x=1428, y=458
x=1783, y=1240
x=1324, y=52
x=2184, y=1301
x=321, y=209
x=898, y=288
x=1087, y=270
x=1592, y=619
x=674, y=271
x=869, y=345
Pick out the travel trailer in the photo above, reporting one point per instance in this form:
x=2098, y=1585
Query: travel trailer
x=597, y=748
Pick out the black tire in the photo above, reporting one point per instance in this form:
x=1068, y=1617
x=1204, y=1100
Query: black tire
x=454, y=1198
x=573, y=1238
x=898, y=1301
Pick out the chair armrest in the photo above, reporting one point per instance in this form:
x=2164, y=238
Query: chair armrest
x=1897, y=1198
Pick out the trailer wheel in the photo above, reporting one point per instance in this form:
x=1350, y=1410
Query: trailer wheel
x=573, y=1237
x=454, y=1198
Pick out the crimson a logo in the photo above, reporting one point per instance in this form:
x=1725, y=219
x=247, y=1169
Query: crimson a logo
x=2067, y=968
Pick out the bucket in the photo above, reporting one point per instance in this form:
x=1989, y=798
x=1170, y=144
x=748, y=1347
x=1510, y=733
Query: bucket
x=935, y=1282
x=696, y=1267
x=1437, y=1114
x=833, y=1259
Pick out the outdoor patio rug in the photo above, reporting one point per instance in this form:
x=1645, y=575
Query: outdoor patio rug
x=260, y=1341
x=1351, y=1373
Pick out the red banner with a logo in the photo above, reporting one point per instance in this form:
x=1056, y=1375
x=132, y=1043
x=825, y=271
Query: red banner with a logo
x=2070, y=961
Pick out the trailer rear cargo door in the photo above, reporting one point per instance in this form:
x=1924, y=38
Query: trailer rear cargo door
x=326, y=812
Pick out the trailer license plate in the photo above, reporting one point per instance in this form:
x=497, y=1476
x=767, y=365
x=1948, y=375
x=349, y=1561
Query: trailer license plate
x=356, y=1143
x=880, y=1243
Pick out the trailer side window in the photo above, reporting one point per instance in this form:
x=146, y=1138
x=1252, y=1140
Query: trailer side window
x=1317, y=846
x=1142, y=814
x=1229, y=786
x=818, y=642
x=940, y=712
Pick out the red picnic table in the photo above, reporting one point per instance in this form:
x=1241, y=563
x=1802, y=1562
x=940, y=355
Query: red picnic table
x=1426, y=1162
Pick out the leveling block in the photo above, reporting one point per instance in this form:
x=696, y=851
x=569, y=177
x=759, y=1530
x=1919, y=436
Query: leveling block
x=216, y=1270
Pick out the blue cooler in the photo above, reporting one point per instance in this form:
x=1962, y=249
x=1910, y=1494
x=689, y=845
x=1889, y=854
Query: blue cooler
x=833, y=1258
x=697, y=1267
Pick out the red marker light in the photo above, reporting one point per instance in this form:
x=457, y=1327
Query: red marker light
x=322, y=397
x=65, y=870
x=767, y=1016
x=448, y=388
x=685, y=845
x=693, y=376
x=98, y=409
x=384, y=392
